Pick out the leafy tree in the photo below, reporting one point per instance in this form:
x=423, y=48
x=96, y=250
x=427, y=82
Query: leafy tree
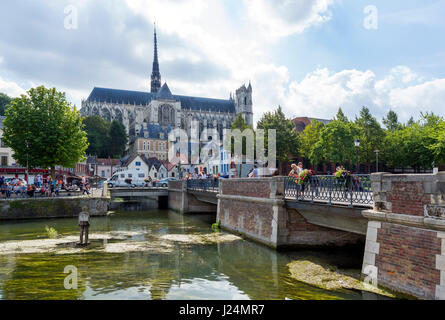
x=371, y=136
x=309, y=138
x=97, y=132
x=336, y=143
x=287, y=138
x=341, y=116
x=391, y=121
x=241, y=125
x=44, y=130
x=417, y=144
x=117, y=139
x=4, y=101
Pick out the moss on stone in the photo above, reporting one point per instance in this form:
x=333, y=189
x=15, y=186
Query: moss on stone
x=328, y=277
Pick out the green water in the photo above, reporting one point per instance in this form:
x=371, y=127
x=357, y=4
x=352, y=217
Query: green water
x=230, y=270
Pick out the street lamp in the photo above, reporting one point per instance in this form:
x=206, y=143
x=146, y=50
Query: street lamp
x=377, y=160
x=357, y=145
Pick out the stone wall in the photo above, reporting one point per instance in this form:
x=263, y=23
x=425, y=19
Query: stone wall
x=24, y=209
x=405, y=245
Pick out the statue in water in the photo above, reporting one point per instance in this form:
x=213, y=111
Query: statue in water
x=84, y=223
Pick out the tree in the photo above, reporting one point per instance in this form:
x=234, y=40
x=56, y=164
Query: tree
x=309, y=138
x=336, y=143
x=371, y=136
x=391, y=121
x=341, y=116
x=4, y=102
x=287, y=138
x=97, y=130
x=241, y=125
x=117, y=140
x=44, y=130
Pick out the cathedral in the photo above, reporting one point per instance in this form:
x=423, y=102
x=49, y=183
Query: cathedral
x=160, y=111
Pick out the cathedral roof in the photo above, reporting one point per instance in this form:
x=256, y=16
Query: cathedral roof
x=104, y=95
x=165, y=93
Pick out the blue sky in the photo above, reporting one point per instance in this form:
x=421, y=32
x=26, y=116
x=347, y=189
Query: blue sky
x=309, y=56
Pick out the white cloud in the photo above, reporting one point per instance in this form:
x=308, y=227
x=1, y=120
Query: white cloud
x=10, y=88
x=280, y=18
x=322, y=92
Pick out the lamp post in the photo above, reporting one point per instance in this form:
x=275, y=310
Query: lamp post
x=357, y=145
x=377, y=160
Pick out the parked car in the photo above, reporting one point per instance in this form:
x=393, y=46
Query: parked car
x=127, y=178
x=164, y=182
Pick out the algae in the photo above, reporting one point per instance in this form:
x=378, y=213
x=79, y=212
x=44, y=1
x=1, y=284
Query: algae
x=324, y=276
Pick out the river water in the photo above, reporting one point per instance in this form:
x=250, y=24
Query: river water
x=116, y=268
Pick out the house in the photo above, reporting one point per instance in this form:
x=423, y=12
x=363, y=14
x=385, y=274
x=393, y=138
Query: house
x=106, y=167
x=172, y=169
x=6, y=154
x=135, y=162
x=151, y=141
x=302, y=122
x=157, y=170
x=220, y=165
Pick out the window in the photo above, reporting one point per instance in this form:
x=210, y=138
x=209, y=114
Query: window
x=141, y=175
x=145, y=145
x=103, y=173
x=130, y=175
x=4, y=161
x=138, y=164
x=122, y=175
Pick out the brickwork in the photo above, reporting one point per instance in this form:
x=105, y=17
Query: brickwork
x=408, y=198
x=302, y=233
x=407, y=247
x=248, y=188
x=245, y=217
x=407, y=259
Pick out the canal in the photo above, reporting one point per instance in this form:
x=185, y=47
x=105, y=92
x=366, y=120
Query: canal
x=154, y=255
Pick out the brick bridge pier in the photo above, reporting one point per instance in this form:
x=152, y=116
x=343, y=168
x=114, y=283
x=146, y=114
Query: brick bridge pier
x=403, y=234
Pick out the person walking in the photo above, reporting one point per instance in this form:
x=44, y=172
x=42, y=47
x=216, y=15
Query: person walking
x=84, y=223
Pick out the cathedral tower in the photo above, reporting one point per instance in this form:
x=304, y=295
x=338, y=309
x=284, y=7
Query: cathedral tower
x=243, y=103
x=155, y=75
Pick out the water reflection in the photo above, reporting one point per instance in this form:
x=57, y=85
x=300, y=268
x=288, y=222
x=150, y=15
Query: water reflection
x=229, y=270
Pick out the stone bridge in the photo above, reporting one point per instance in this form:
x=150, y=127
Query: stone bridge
x=139, y=198
x=402, y=232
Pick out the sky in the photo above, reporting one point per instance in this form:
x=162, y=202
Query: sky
x=309, y=56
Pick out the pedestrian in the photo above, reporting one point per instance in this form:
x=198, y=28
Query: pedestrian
x=84, y=223
x=294, y=171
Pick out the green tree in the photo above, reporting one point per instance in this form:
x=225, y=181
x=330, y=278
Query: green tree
x=44, y=130
x=240, y=124
x=287, y=138
x=117, y=140
x=97, y=130
x=4, y=102
x=309, y=138
x=391, y=121
x=336, y=143
x=371, y=136
x=341, y=116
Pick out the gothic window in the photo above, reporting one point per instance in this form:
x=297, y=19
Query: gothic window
x=106, y=115
x=166, y=115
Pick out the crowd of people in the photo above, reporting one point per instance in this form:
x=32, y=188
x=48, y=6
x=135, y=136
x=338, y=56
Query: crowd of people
x=42, y=187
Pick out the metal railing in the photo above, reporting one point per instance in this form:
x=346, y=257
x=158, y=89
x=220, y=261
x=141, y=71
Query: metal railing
x=353, y=191
x=206, y=185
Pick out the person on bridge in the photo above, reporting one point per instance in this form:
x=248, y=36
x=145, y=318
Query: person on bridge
x=84, y=223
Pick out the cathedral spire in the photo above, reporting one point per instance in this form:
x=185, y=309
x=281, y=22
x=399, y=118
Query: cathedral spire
x=155, y=75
